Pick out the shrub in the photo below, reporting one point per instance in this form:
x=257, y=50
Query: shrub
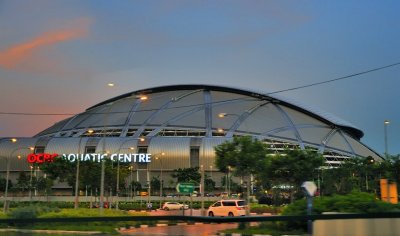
x=355, y=202
x=29, y=212
x=259, y=209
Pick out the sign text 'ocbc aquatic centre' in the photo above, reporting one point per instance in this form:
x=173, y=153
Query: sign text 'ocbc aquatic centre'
x=95, y=157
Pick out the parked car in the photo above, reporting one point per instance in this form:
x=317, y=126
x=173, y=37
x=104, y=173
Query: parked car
x=174, y=206
x=228, y=208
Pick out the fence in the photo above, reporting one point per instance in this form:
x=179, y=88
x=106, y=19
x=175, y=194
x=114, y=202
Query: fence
x=325, y=224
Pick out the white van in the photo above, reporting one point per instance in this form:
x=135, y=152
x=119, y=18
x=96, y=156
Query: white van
x=228, y=208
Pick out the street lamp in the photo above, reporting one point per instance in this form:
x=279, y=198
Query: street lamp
x=237, y=122
x=369, y=161
x=13, y=140
x=76, y=205
x=111, y=84
x=202, y=185
x=8, y=173
x=117, y=187
x=161, y=176
x=223, y=115
x=30, y=184
x=119, y=149
x=148, y=177
x=130, y=181
x=385, y=124
x=229, y=181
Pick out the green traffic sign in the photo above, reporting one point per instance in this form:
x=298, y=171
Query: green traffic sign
x=185, y=187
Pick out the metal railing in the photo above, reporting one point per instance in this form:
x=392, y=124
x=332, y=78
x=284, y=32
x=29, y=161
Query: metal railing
x=206, y=219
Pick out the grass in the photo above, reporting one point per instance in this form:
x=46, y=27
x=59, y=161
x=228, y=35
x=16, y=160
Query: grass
x=85, y=213
x=2, y=215
x=105, y=227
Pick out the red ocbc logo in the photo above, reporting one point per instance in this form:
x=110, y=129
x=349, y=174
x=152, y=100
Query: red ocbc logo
x=41, y=157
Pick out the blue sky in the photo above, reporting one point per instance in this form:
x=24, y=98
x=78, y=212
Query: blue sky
x=58, y=56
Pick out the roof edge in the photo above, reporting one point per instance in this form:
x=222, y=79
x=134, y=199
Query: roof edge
x=351, y=130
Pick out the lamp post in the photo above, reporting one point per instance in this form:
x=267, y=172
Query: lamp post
x=36, y=173
x=117, y=187
x=229, y=181
x=130, y=181
x=161, y=177
x=148, y=183
x=142, y=98
x=385, y=124
x=222, y=115
x=202, y=189
x=13, y=140
x=148, y=177
x=119, y=149
x=76, y=204
x=8, y=174
x=30, y=184
x=104, y=152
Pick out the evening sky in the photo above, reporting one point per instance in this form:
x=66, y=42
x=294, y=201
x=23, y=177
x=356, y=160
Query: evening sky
x=58, y=56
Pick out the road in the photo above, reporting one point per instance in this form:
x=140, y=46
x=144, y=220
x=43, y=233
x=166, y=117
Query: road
x=192, y=230
x=189, y=212
x=197, y=229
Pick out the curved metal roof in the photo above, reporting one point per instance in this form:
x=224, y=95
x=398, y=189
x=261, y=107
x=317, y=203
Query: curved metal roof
x=312, y=111
x=193, y=109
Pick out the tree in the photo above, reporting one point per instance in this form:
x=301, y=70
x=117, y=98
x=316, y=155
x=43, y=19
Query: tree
x=3, y=184
x=191, y=175
x=389, y=168
x=155, y=184
x=209, y=184
x=136, y=186
x=22, y=182
x=291, y=168
x=89, y=173
x=43, y=184
x=244, y=156
x=360, y=174
x=61, y=169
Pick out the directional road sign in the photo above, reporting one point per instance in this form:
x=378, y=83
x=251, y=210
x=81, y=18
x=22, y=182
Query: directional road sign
x=185, y=187
x=310, y=187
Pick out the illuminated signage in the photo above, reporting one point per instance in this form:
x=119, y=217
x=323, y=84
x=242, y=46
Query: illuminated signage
x=96, y=157
x=132, y=157
x=41, y=157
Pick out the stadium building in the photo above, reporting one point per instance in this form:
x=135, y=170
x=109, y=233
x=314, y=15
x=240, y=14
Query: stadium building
x=180, y=126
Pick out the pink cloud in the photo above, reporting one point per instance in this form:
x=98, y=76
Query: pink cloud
x=23, y=54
